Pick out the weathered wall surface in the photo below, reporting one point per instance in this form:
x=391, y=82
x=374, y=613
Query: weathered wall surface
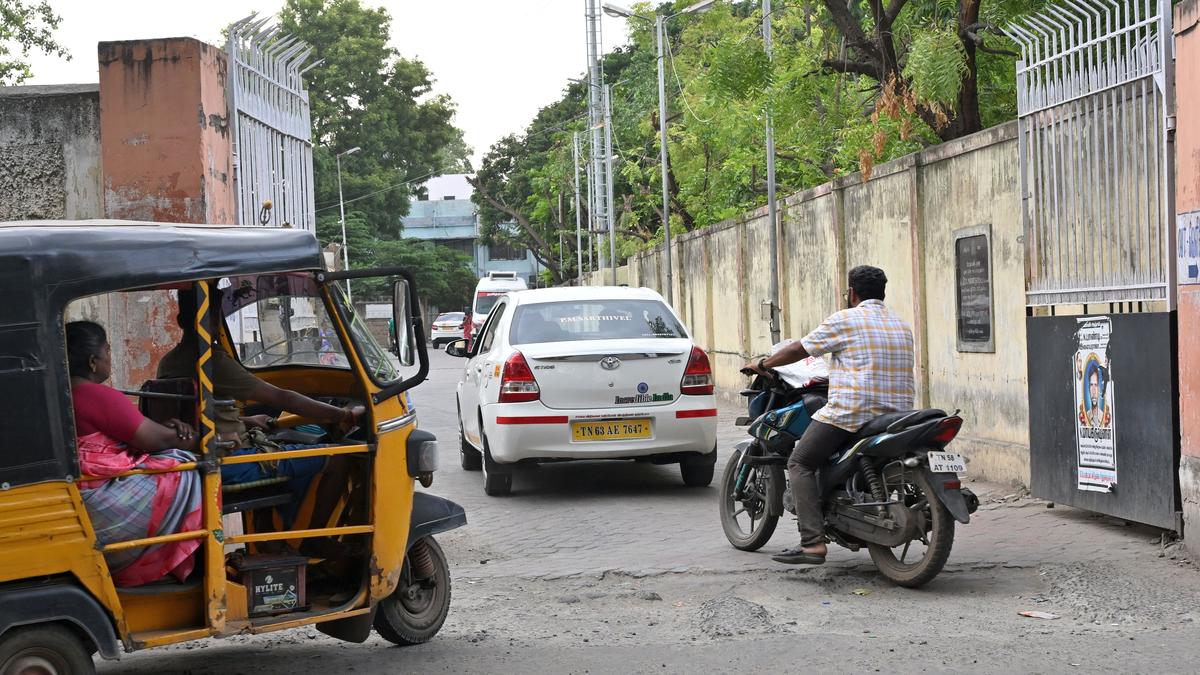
x=167, y=152
x=902, y=219
x=50, y=152
x=167, y=157
x=1187, y=204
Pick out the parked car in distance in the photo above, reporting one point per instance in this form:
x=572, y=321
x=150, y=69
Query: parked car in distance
x=447, y=327
x=585, y=373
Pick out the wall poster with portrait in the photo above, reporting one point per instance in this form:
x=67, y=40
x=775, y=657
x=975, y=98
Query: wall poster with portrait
x=1094, y=397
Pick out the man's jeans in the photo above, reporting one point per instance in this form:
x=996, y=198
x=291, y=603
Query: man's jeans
x=812, y=451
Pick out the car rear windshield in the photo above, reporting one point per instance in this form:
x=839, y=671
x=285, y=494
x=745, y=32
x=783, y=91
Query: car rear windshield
x=449, y=316
x=616, y=319
x=485, y=301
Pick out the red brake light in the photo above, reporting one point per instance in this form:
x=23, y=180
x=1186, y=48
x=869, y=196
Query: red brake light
x=697, y=377
x=517, y=384
x=947, y=429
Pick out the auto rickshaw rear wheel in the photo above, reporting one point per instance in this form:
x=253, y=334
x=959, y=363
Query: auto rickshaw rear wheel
x=416, y=610
x=44, y=650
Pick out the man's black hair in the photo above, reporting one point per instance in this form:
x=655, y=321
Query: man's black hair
x=868, y=282
x=187, y=310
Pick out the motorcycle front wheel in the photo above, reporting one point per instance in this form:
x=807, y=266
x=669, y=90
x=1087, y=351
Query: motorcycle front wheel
x=746, y=520
x=916, y=562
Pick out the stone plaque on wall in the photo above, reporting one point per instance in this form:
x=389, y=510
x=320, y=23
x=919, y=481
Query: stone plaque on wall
x=973, y=289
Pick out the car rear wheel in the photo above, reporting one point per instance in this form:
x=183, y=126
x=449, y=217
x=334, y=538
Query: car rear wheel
x=45, y=649
x=496, y=483
x=698, y=471
x=469, y=458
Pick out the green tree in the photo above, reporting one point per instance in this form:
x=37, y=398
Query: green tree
x=850, y=84
x=364, y=94
x=24, y=27
x=444, y=277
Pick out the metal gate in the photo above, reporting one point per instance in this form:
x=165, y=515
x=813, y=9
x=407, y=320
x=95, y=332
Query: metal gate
x=272, y=131
x=1095, y=100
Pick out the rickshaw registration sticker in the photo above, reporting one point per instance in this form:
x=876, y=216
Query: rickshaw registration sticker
x=611, y=430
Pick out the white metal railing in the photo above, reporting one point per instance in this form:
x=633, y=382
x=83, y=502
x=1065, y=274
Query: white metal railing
x=1095, y=101
x=271, y=126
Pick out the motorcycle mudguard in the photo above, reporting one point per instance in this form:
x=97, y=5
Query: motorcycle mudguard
x=774, y=497
x=953, y=498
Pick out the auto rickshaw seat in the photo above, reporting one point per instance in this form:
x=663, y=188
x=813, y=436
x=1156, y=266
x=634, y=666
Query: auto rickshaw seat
x=178, y=400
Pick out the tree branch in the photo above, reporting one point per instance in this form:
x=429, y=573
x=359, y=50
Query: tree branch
x=843, y=66
x=893, y=11
x=542, y=246
x=851, y=28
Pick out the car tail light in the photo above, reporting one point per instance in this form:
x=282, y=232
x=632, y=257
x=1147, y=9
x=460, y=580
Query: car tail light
x=698, y=376
x=947, y=429
x=516, y=383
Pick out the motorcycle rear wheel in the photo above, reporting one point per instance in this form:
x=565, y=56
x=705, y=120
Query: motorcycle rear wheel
x=917, y=573
x=766, y=482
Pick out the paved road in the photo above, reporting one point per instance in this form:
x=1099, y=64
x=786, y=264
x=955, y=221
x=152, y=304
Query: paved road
x=582, y=568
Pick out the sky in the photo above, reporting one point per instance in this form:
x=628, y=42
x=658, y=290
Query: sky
x=500, y=60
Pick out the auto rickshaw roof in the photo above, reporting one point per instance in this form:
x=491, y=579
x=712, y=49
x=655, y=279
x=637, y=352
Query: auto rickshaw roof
x=46, y=264
x=98, y=256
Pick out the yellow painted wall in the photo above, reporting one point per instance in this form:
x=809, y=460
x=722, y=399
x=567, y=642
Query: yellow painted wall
x=903, y=220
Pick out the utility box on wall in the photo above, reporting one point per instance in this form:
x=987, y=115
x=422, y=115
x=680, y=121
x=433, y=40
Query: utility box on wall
x=1103, y=422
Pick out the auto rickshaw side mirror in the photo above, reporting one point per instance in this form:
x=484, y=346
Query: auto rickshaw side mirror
x=403, y=334
x=458, y=348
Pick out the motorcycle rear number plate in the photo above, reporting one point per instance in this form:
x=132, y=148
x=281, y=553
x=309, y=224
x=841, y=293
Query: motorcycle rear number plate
x=947, y=462
x=623, y=430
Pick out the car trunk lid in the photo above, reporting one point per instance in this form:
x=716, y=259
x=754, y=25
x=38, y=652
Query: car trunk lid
x=609, y=374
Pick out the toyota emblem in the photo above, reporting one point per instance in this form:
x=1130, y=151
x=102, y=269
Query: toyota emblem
x=610, y=363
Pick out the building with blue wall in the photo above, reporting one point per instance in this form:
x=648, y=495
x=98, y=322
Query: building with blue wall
x=448, y=217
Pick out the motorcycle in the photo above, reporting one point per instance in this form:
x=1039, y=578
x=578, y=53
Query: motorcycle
x=893, y=488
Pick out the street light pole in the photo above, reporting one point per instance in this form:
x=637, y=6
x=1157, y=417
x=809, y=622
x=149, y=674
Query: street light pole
x=660, y=39
x=342, y=212
x=660, y=35
x=578, y=215
x=608, y=183
x=772, y=214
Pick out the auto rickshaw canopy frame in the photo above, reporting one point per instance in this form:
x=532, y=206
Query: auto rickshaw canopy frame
x=44, y=265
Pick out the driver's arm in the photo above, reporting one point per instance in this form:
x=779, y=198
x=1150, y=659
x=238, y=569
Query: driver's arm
x=789, y=353
x=297, y=403
x=233, y=380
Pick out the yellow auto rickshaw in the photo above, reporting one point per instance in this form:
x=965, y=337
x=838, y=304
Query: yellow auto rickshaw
x=263, y=297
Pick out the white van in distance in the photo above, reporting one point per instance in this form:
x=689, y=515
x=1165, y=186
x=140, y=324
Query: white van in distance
x=490, y=289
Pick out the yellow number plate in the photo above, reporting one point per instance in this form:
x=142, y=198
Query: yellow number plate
x=619, y=430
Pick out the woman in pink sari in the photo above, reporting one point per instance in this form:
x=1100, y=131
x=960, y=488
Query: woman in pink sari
x=114, y=438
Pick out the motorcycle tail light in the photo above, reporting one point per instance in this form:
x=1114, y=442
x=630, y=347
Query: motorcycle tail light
x=947, y=429
x=517, y=384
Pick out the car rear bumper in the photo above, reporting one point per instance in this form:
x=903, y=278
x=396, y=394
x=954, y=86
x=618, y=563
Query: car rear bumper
x=454, y=334
x=531, y=431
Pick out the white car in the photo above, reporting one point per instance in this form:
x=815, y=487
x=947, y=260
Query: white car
x=585, y=373
x=447, y=328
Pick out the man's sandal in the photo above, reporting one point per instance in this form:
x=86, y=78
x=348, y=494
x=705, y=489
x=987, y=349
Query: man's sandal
x=798, y=556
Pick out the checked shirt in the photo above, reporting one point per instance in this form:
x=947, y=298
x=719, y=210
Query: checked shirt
x=871, y=368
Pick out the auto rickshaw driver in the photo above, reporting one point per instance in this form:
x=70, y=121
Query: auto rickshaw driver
x=232, y=381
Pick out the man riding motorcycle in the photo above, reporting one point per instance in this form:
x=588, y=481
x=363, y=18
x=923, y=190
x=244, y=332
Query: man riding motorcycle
x=871, y=374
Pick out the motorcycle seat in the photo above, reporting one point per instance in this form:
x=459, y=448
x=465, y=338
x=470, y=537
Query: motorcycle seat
x=897, y=421
x=814, y=402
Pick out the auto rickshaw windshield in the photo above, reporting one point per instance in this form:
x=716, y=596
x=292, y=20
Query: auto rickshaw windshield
x=376, y=359
x=281, y=319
